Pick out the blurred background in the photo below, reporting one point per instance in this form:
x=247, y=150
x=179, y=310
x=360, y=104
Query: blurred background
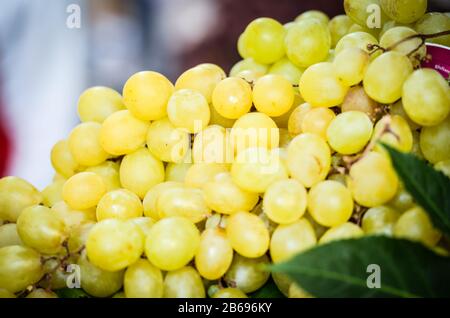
x=52, y=50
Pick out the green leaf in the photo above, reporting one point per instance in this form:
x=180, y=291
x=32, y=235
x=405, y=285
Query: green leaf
x=429, y=187
x=340, y=269
x=71, y=293
x=269, y=290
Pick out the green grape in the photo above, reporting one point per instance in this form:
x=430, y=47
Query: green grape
x=339, y=27
x=247, y=274
x=145, y=223
x=176, y=171
x=273, y=95
x=15, y=195
x=288, y=25
x=285, y=201
x=308, y=159
x=41, y=229
x=242, y=50
x=140, y=170
x=146, y=94
x=386, y=86
x=313, y=14
x=9, y=235
x=402, y=200
x=307, y=42
x=398, y=109
x=392, y=24
x=255, y=169
x=443, y=166
x=296, y=291
x=52, y=193
x=380, y=220
x=263, y=40
x=122, y=133
x=152, y=196
x=83, y=190
x=143, y=280
x=434, y=22
x=97, y=103
x=229, y=293
x=254, y=130
x=188, y=109
x=184, y=283
x=396, y=34
x=283, y=282
x=202, y=78
x=213, y=145
x=6, y=294
x=62, y=159
x=320, y=86
x=120, y=204
x=166, y=142
x=357, y=100
x=224, y=196
x=394, y=131
x=183, y=202
x=350, y=65
x=330, y=203
x=217, y=119
x=296, y=118
x=317, y=120
x=119, y=295
x=372, y=180
x=84, y=144
x=290, y=239
x=232, y=97
x=435, y=142
x=73, y=218
x=375, y=32
x=249, y=64
x=41, y=293
x=109, y=172
x=247, y=234
x=214, y=254
x=20, y=267
x=426, y=97
x=201, y=173
x=341, y=232
x=172, y=243
x=356, y=39
x=404, y=11
x=358, y=11
x=96, y=281
x=415, y=225
x=114, y=244
x=287, y=69
x=78, y=238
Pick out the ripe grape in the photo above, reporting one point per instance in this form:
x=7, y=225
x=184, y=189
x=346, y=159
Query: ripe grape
x=184, y=283
x=404, y=11
x=282, y=281
x=358, y=11
x=83, y=190
x=402, y=200
x=217, y=119
x=41, y=293
x=434, y=22
x=341, y=232
x=78, y=238
x=249, y=64
x=213, y=145
x=201, y=173
x=176, y=171
x=339, y=26
x=97, y=103
x=444, y=167
x=242, y=50
x=152, y=196
x=62, y=159
x=145, y=223
x=84, y=144
x=146, y=94
x=380, y=220
x=120, y=204
x=73, y=218
x=356, y=39
x=9, y=235
x=398, y=109
x=247, y=274
x=296, y=291
x=273, y=95
x=296, y=118
x=398, y=135
x=350, y=65
x=109, y=172
x=394, y=35
x=287, y=69
x=229, y=293
x=357, y=100
x=313, y=14
x=52, y=193
x=232, y=97
x=143, y=280
x=317, y=120
x=435, y=142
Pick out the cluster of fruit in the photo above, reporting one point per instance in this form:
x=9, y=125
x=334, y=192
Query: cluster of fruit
x=187, y=190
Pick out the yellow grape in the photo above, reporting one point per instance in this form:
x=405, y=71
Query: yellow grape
x=232, y=97
x=398, y=109
x=146, y=94
x=143, y=280
x=166, y=142
x=350, y=65
x=320, y=86
x=404, y=11
x=119, y=204
x=308, y=159
x=435, y=142
x=84, y=144
x=172, y=243
x=282, y=281
x=398, y=135
x=217, y=119
x=330, y=203
x=255, y=169
x=152, y=196
x=296, y=118
x=249, y=64
x=144, y=223
x=97, y=103
x=434, y=22
x=443, y=166
x=224, y=196
x=213, y=145
x=73, y=218
x=247, y=274
x=313, y=14
x=341, y=232
x=109, y=172
x=188, y=109
x=201, y=173
x=78, y=237
x=114, y=244
x=83, y=190
x=184, y=283
x=358, y=11
x=9, y=235
x=357, y=100
x=285, y=201
x=242, y=50
x=339, y=27
x=202, y=78
x=247, y=234
x=356, y=39
x=273, y=95
x=307, y=42
x=285, y=139
x=317, y=120
x=52, y=193
x=287, y=69
x=372, y=180
x=214, y=254
x=177, y=171
x=380, y=220
x=296, y=291
x=402, y=200
x=41, y=293
x=62, y=159
x=229, y=293
x=140, y=170
x=426, y=97
x=122, y=133
x=357, y=28
x=15, y=195
x=290, y=239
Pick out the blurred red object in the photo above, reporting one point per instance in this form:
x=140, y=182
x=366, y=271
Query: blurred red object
x=5, y=144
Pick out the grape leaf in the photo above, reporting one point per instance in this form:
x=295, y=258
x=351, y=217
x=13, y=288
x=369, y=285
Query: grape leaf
x=429, y=187
x=269, y=290
x=71, y=293
x=341, y=269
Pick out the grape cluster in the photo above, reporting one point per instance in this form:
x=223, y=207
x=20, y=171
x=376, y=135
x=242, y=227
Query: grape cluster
x=188, y=189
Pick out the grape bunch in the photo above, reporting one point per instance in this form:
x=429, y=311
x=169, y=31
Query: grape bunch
x=188, y=189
